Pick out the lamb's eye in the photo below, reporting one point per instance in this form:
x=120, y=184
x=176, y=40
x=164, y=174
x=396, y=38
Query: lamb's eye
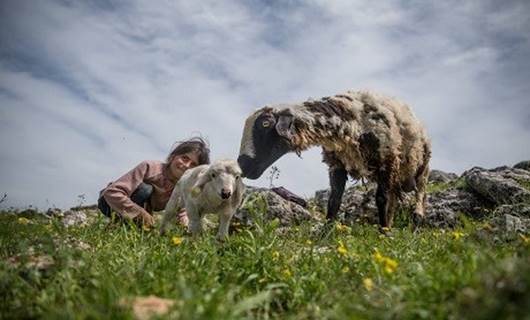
x=237, y=177
x=266, y=124
x=213, y=175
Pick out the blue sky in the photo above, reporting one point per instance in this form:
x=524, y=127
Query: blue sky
x=88, y=89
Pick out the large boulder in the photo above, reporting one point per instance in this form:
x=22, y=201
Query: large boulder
x=438, y=176
x=358, y=203
x=524, y=165
x=258, y=200
x=76, y=217
x=444, y=207
x=501, y=185
x=511, y=218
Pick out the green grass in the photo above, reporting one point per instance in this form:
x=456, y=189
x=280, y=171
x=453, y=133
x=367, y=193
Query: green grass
x=265, y=274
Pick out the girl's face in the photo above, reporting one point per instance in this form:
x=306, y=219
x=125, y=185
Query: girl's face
x=183, y=162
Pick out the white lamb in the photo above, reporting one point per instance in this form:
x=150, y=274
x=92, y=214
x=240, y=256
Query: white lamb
x=214, y=188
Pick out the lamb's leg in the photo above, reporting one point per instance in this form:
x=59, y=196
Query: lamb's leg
x=224, y=223
x=195, y=221
x=170, y=212
x=337, y=181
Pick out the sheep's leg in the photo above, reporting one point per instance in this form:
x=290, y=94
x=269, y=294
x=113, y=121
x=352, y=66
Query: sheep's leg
x=421, y=197
x=224, y=223
x=337, y=181
x=391, y=207
x=385, y=199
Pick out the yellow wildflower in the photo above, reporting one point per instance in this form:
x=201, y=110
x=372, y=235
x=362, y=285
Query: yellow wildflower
x=177, y=240
x=525, y=239
x=390, y=265
x=287, y=273
x=342, y=228
x=378, y=257
x=308, y=242
x=457, y=235
x=146, y=228
x=275, y=255
x=345, y=270
x=368, y=284
x=23, y=220
x=341, y=249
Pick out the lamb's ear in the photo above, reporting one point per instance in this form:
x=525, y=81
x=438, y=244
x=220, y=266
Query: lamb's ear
x=285, y=125
x=202, y=179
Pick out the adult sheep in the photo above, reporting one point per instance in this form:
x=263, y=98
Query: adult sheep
x=363, y=134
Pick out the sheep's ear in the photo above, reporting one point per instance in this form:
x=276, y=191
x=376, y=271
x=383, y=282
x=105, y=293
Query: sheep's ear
x=285, y=126
x=199, y=185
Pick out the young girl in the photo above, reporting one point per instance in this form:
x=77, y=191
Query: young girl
x=148, y=186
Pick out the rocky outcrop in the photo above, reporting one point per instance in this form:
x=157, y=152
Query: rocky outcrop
x=438, y=176
x=501, y=195
x=258, y=200
x=524, y=165
x=500, y=186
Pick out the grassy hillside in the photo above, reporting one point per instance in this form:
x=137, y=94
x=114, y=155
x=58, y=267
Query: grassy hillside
x=48, y=271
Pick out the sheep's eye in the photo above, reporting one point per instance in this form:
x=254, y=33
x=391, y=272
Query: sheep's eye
x=237, y=177
x=266, y=124
x=213, y=175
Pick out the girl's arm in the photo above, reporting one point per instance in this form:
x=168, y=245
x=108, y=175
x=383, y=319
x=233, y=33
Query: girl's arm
x=118, y=193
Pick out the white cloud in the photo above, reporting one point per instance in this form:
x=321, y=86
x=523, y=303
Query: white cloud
x=87, y=92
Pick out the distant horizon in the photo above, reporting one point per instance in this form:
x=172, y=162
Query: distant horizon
x=350, y=183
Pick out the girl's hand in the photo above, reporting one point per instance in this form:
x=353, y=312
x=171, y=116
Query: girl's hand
x=147, y=219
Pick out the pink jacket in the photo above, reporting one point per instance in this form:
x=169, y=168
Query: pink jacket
x=118, y=193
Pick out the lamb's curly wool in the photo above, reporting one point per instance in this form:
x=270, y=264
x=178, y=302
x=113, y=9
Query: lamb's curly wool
x=363, y=134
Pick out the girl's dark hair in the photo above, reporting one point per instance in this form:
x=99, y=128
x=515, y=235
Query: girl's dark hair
x=195, y=144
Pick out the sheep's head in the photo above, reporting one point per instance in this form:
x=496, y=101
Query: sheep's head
x=267, y=136
x=222, y=179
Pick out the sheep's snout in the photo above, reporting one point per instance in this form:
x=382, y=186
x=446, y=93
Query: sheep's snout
x=225, y=193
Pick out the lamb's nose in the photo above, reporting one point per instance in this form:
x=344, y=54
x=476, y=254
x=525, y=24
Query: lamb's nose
x=225, y=194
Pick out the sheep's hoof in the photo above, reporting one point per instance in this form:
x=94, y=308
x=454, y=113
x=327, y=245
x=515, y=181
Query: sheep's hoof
x=221, y=241
x=386, y=231
x=418, y=221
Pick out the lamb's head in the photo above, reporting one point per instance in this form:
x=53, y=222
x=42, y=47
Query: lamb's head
x=267, y=135
x=222, y=179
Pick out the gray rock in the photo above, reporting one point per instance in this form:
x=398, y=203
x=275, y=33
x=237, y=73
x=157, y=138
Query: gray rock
x=73, y=218
x=438, y=176
x=519, y=210
x=54, y=212
x=524, y=165
x=510, y=223
x=444, y=208
x=499, y=186
x=358, y=204
x=257, y=200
